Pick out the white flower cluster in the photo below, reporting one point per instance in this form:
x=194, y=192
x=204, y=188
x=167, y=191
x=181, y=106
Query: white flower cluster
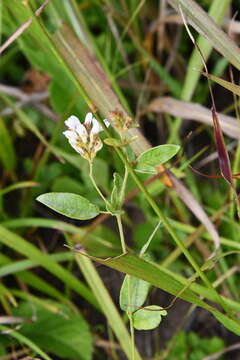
x=84, y=138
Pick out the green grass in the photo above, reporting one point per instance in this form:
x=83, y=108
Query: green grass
x=104, y=57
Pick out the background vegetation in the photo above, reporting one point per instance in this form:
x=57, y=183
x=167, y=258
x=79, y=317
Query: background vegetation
x=64, y=57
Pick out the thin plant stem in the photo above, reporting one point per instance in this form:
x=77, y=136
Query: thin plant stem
x=132, y=335
x=94, y=183
x=145, y=246
x=171, y=231
x=122, y=193
x=129, y=313
x=120, y=228
x=167, y=225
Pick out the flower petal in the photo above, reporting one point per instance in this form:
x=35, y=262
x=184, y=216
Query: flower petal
x=70, y=135
x=82, y=132
x=72, y=122
x=98, y=145
x=88, y=119
x=96, y=128
x=77, y=148
x=106, y=122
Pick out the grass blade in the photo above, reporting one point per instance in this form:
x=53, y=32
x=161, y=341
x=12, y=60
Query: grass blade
x=205, y=26
x=106, y=303
x=20, y=245
x=137, y=267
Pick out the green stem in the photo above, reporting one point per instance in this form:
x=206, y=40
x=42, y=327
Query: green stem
x=120, y=228
x=95, y=184
x=145, y=246
x=171, y=231
x=129, y=313
x=132, y=335
x=122, y=193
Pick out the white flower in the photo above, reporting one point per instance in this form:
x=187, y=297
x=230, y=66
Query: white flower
x=84, y=138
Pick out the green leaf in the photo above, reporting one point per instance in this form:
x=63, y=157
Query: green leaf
x=63, y=334
x=156, y=156
x=138, y=293
x=162, y=278
x=24, y=340
x=113, y=142
x=144, y=319
x=116, y=198
x=146, y=169
x=70, y=205
x=235, y=89
x=16, y=242
x=107, y=305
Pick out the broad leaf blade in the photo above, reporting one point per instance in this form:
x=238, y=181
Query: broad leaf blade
x=158, y=155
x=138, y=293
x=70, y=205
x=148, y=318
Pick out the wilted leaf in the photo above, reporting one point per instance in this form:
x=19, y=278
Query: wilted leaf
x=195, y=112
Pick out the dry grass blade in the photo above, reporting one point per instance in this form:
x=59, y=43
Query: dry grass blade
x=93, y=79
x=223, y=158
x=196, y=209
x=193, y=111
x=12, y=320
x=22, y=28
x=224, y=162
x=205, y=26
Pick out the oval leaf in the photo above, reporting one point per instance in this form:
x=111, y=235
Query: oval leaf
x=158, y=154
x=71, y=205
x=144, y=319
x=146, y=169
x=138, y=293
